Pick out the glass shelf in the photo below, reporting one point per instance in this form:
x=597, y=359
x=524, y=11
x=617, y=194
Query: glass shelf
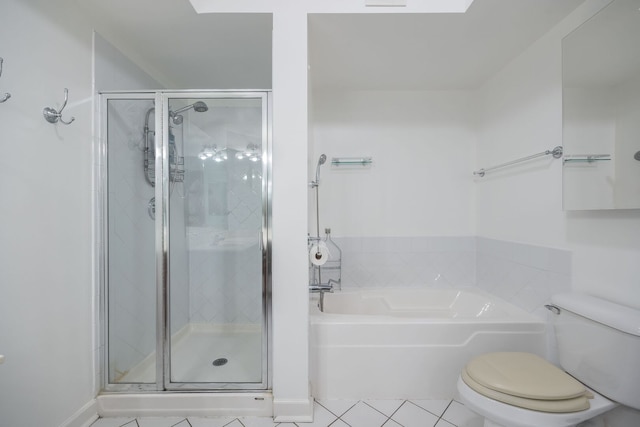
x=351, y=161
x=586, y=158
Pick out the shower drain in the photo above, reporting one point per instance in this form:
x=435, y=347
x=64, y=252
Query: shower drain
x=220, y=362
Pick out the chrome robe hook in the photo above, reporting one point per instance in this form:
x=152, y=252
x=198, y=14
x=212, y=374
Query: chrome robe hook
x=52, y=116
x=7, y=95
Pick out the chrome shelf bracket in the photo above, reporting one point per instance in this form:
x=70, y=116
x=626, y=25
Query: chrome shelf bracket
x=7, y=95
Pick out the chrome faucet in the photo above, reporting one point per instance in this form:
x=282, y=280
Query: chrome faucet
x=322, y=289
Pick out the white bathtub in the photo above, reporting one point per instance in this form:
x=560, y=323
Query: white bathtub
x=408, y=343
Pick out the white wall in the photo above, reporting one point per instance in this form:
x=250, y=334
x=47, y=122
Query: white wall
x=522, y=114
x=45, y=236
x=423, y=149
x=292, y=399
x=115, y=71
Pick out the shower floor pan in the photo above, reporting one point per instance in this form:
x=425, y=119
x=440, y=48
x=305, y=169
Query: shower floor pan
x=204, y=353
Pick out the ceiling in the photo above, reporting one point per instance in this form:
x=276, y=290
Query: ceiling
x=427, y=51
x=357, y=51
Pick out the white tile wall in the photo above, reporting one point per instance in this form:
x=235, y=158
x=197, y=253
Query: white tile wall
x=225, y=284
x=407, y=261
x=525, y=275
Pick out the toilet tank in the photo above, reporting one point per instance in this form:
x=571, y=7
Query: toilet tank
x=599, y=344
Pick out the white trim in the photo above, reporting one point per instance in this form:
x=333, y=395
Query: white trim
x=186, y=404
x=84, y=417
x=293, y=410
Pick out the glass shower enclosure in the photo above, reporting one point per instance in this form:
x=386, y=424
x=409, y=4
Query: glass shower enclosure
x=185, y=240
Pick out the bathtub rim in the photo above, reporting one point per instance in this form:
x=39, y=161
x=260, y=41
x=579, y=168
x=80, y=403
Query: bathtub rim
x=516, y=314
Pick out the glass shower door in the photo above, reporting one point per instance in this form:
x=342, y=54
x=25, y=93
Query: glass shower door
x=128, y=236
x=216, y=170
x=185, y=240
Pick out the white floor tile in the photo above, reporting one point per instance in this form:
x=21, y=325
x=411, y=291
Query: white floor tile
x=258, y=422
x=436, y=406
x=387, y=407
x=443, y=423
x=113, y=422
x=210, y=422
x=362, y=415
x=338, y=406
x=321, y=417
x=333, y=413
x=411, y=415
x=460, y=416
x=159, y=422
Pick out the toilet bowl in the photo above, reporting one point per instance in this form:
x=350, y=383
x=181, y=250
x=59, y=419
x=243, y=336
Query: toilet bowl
x=598, y=346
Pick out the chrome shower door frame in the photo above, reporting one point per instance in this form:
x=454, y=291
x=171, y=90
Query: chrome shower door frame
x=162, y=241
x=162, y=245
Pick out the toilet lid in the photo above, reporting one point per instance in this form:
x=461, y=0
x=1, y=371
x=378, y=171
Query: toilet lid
x=523, y=375
x=556, y=406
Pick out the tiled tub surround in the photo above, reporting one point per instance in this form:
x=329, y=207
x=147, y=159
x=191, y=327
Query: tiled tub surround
x=525, y=275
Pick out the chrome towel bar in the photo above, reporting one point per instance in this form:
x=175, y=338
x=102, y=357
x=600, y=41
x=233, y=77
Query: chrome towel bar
x=556, y=153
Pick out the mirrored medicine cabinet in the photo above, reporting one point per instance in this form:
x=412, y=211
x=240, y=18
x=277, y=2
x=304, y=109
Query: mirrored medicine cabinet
x=601, y=110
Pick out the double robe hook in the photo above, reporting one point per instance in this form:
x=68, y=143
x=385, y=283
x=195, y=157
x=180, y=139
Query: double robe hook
x=7, y=95
x=52, y=116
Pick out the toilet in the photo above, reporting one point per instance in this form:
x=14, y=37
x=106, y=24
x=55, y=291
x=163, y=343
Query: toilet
x=598, y=347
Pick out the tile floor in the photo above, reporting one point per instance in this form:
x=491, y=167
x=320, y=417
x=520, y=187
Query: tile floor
x=334, y=413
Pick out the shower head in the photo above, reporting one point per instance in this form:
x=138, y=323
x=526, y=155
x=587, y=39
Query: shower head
x=198, y=106
x=322, y=159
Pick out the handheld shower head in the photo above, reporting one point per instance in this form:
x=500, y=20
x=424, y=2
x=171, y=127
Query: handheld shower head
x=321, y=161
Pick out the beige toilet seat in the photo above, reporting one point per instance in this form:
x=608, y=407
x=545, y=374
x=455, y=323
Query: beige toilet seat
x=527, y=381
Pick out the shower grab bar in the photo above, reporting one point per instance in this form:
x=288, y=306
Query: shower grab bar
x=7, y=95
x=556, y=153
x=52, y=116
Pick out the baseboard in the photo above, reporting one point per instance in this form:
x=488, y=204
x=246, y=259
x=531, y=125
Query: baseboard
x=84, y=417
x=293, y=410
x=185, y=404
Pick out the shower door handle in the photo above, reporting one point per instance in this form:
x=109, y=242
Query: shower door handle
x=260, y=244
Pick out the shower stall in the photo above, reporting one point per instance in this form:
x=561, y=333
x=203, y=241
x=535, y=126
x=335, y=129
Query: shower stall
x=185, y=240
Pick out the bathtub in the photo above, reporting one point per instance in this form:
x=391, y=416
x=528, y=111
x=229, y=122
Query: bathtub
x=410, y=343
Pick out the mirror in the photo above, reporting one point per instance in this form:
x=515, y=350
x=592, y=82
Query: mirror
x=601, y=110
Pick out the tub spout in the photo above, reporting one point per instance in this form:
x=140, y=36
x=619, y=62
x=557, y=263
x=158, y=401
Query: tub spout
x=321, y=289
